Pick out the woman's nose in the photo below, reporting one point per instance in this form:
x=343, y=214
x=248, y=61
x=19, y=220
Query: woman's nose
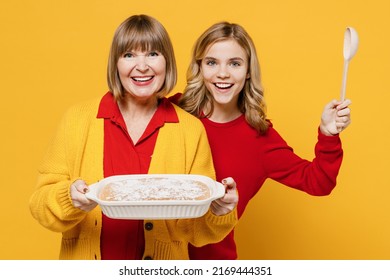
x=141, y=63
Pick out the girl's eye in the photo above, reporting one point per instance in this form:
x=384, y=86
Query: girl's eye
x=210, y=62
x=235, y=63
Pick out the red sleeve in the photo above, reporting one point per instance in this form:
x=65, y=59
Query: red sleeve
x=316, y=177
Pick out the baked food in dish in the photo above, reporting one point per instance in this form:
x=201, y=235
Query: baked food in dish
x=174, y=206
x=156, y=188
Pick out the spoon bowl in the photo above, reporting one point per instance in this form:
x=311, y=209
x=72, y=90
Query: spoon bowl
x=351, y=42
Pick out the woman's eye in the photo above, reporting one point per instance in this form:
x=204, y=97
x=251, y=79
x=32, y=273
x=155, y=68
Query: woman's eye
x=211, y=62
x=153, y=54
x=128, y=55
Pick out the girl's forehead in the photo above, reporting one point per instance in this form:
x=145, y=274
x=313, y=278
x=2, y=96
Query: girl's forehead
x=226, y=48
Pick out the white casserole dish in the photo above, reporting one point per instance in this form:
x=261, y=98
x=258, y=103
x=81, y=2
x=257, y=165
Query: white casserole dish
x=155, y=209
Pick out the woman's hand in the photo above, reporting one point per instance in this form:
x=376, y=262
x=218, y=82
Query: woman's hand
x=228, y=202
x=336, y=117
x=77, y=192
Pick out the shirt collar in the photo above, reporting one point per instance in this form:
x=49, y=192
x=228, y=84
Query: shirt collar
x=109, y=109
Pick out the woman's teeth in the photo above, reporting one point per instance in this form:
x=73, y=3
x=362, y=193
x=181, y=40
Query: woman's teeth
x=142, y=79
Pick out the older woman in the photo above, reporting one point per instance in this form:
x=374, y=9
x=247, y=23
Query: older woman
x=133, y=129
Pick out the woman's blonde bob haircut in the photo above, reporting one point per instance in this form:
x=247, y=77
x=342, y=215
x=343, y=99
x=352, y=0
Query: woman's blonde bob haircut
x=251, y=100
x=141, y=33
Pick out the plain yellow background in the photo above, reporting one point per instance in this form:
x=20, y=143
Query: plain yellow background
x=54, y=54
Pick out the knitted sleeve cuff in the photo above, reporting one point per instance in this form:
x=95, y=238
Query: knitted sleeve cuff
x=229, y=219
x=328, y=138
x=65, y=202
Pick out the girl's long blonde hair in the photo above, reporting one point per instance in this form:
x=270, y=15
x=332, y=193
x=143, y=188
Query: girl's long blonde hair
x=251, y=100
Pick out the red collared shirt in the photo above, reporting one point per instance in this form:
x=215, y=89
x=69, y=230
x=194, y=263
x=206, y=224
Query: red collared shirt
x=124, y=239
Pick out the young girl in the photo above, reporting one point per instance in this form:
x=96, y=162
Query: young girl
x=224, y=90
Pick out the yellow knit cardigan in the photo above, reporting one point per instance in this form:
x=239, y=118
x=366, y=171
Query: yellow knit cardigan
x=77, y=152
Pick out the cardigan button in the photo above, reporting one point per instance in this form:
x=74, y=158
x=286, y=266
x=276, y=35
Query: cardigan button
x=148, y=226
x=148, y=258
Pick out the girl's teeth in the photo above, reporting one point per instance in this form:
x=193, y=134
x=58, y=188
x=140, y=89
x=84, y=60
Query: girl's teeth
x=223, y=85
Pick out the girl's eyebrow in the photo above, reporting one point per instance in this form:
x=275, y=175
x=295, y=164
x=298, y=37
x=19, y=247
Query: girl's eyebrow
x=232, y=58
x=236, y=58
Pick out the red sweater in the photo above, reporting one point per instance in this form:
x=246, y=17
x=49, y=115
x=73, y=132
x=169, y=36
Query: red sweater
x=239, y=152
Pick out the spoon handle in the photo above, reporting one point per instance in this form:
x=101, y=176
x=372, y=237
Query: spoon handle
x=344, y=82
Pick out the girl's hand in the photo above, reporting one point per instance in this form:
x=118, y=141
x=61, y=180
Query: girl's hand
x=228, y=202
x=336, y=117
x=77, y=192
